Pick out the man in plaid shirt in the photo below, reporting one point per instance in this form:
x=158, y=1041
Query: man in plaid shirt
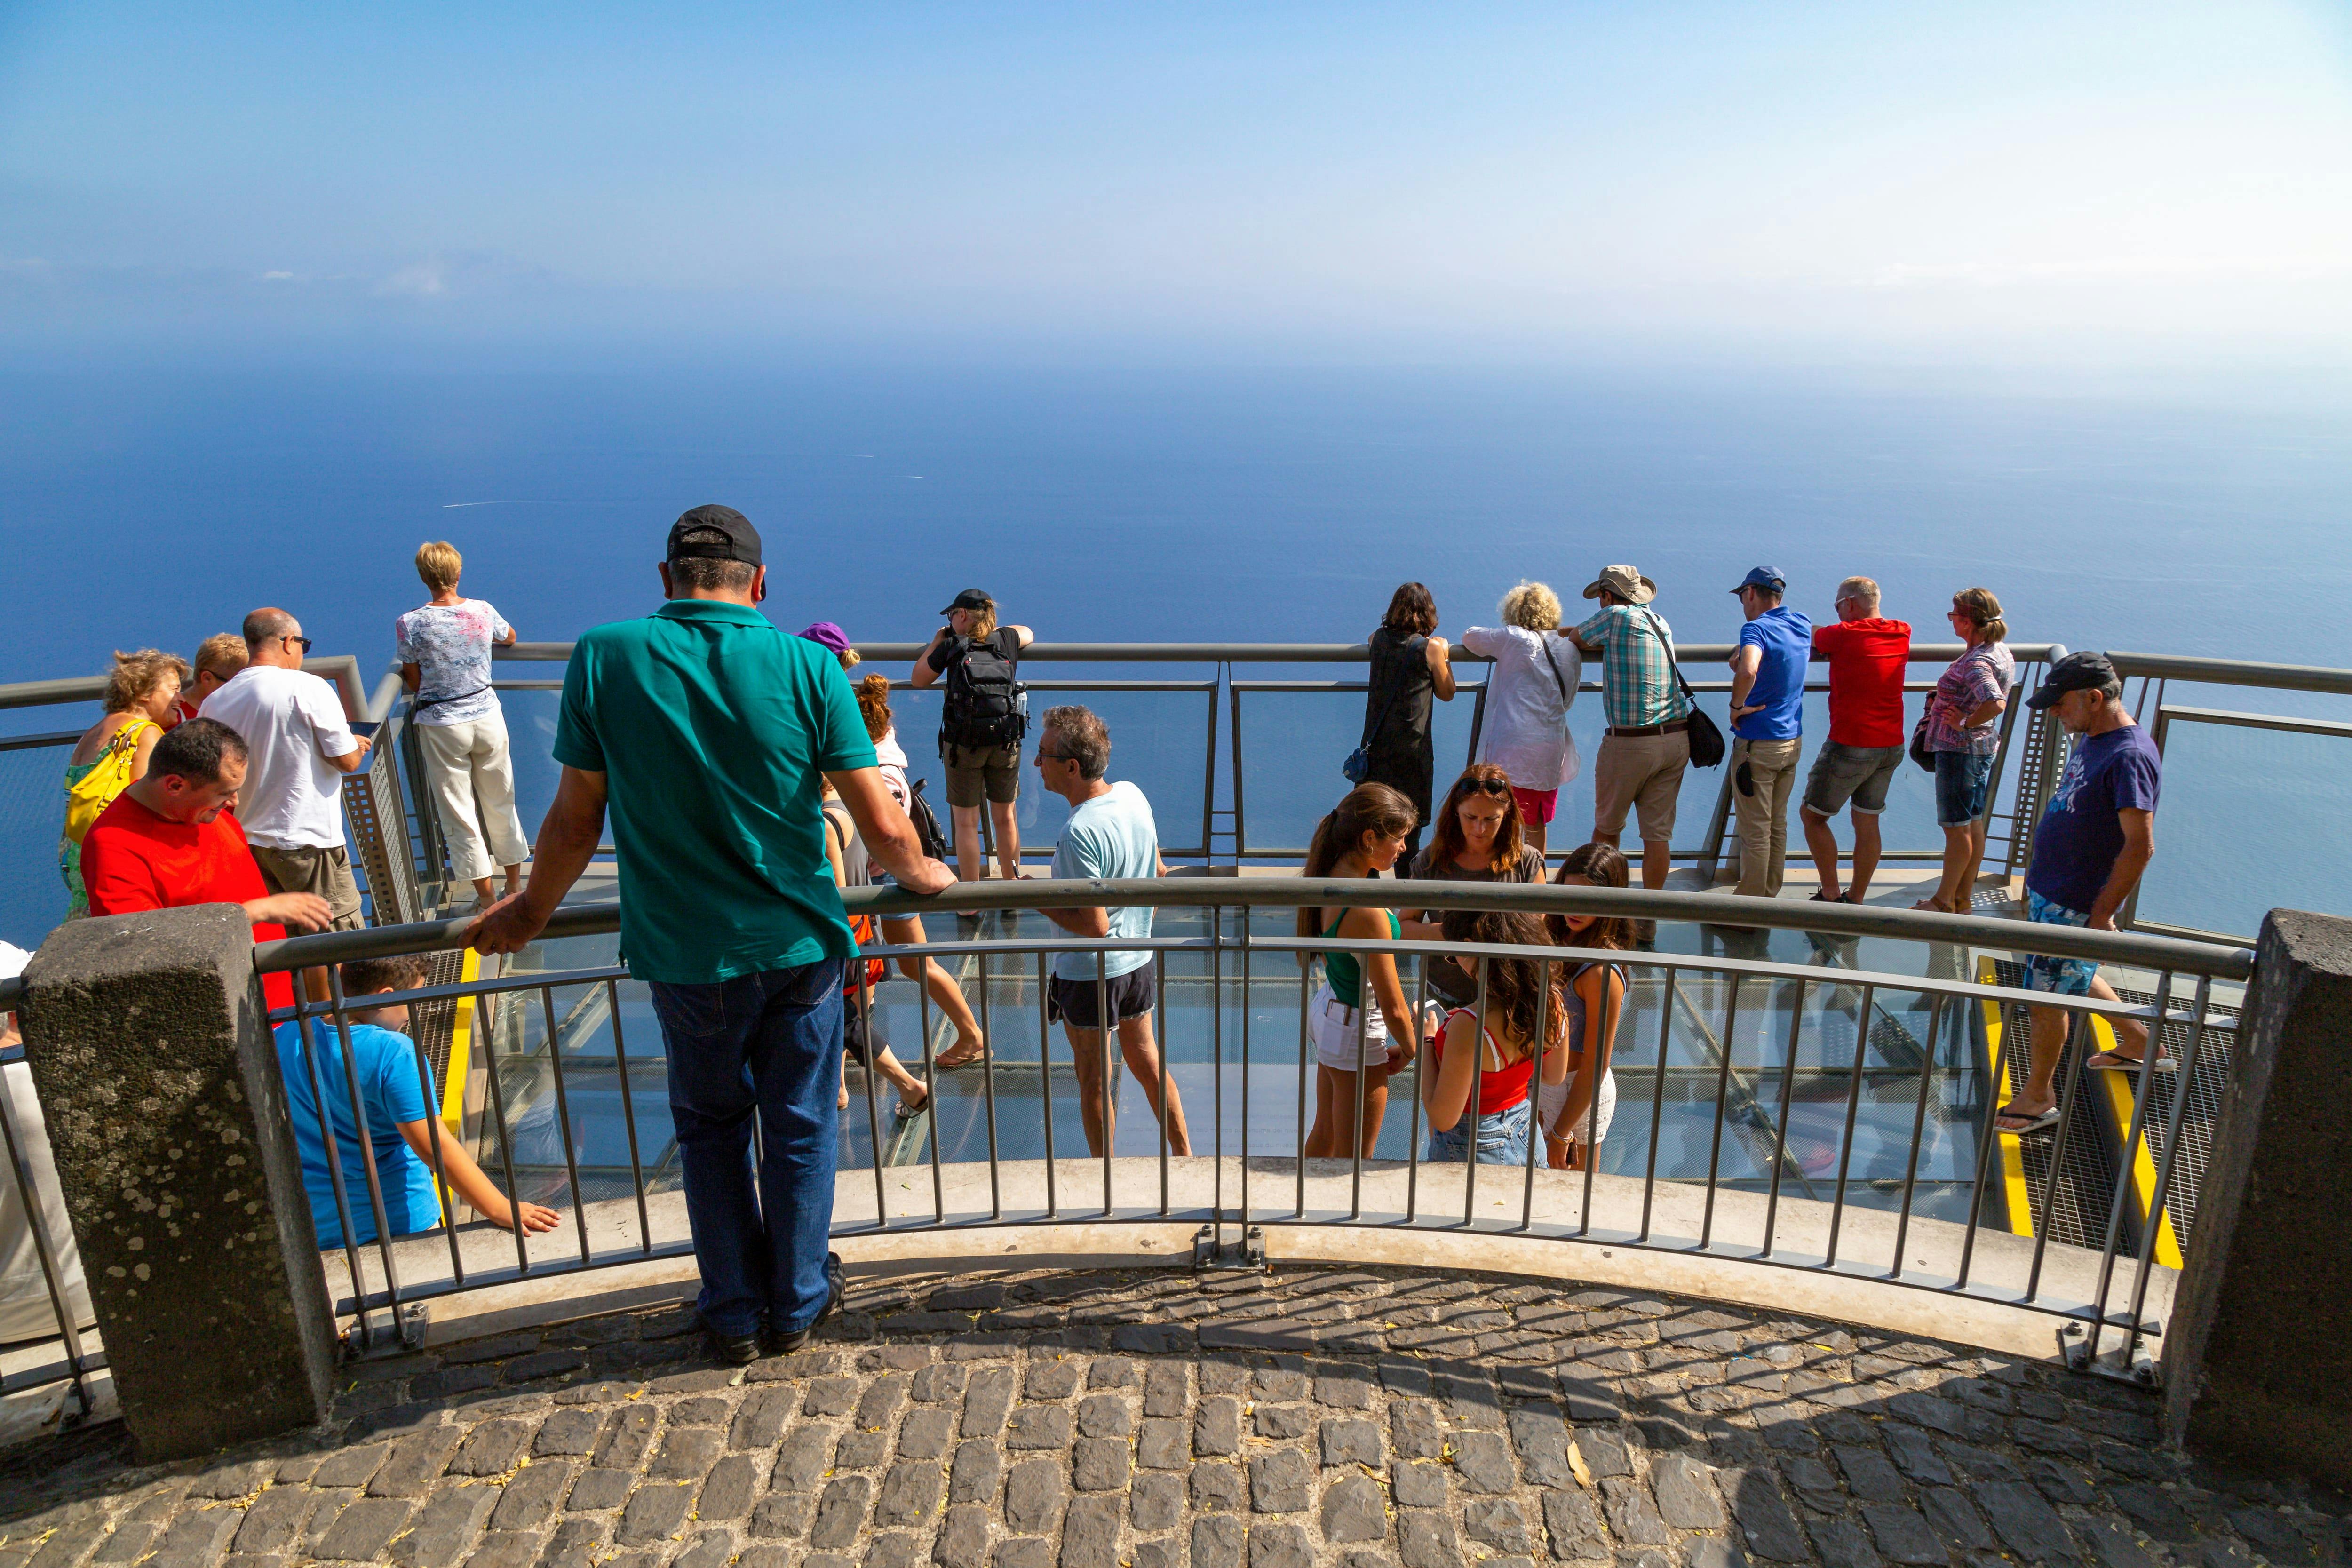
x=1647, y=747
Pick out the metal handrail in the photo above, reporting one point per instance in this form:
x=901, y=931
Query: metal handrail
x=1257, y=653
x=340, y=669
x=2130, y=948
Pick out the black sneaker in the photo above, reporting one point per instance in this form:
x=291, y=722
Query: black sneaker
x=784, y=1341
x=732, y=1350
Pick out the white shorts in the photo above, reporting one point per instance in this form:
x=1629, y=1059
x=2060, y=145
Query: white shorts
x=1331, y=1024
x=1552, y=1099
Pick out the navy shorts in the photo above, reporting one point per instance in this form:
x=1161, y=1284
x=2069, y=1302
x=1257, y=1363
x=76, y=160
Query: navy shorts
x=1074, y=1002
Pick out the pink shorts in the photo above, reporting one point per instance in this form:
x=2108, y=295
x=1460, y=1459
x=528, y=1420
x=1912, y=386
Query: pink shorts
x=1536, y=804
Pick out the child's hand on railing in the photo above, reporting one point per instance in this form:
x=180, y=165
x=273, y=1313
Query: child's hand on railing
x=534, y=1217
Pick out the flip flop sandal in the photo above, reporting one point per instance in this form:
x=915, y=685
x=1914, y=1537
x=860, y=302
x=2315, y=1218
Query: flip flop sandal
x=2110, y=1061
x=906, y=1114
x=2026, y=1122
x=945, y=1064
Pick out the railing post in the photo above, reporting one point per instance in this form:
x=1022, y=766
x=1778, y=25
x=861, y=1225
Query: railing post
x=151, y=1051
x=2256, y=1366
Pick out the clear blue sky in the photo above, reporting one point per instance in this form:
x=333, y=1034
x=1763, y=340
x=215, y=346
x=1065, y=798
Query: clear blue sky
x=1474, y=177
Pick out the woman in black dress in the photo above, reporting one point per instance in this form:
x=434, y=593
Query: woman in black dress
x=1410, y=665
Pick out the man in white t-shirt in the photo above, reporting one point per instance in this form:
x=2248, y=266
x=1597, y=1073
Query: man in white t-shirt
x=300, y=747
x=1110, y=835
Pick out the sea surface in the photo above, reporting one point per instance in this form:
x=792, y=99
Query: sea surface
x=151, y=506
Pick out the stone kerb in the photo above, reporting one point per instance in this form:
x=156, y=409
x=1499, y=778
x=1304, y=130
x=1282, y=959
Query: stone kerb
x=2257, y=1364
x=150, y=1051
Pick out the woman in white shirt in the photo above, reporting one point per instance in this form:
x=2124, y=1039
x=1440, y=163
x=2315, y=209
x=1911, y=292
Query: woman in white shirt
x=1528, y=698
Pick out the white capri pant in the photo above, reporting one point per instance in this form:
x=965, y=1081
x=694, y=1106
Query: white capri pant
x=1552, y=1099
x=1331, y=1024
x=464, y=761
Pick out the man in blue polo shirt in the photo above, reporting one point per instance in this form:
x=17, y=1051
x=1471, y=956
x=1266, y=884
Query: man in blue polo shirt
x=1767, y=709
x=704, y=731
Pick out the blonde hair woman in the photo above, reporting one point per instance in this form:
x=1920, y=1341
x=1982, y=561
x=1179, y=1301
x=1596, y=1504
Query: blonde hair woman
x=143, y=697
x=1528, y=698
x=445, y=659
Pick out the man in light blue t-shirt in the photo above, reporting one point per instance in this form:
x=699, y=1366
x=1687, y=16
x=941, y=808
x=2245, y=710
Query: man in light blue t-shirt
x=1110, y=835
x=1768, y=707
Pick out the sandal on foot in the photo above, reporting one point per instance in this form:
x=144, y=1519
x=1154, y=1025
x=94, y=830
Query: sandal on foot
x=2022, y=1122
x=2115, y=1061
x=905, y=1112
x=956, y=1057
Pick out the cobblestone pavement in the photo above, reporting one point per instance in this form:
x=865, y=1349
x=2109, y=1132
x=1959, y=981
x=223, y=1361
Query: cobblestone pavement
x=1356, y=1419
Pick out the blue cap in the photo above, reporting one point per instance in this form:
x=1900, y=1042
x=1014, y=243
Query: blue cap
x=1763, y=577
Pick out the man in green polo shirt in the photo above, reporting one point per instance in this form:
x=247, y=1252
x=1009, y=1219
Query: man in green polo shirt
x=703, y=730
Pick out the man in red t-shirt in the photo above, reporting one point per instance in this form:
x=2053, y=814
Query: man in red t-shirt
x=172, y=839
x=1868, y=657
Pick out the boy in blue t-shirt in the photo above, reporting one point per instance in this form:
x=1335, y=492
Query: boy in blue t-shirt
x=395, y=1094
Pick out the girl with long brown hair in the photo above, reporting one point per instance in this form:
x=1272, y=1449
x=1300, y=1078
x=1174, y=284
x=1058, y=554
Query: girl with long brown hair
x=1364, y=836
x=1478, y=837
x=1525, y=1021
x=1575, y=1113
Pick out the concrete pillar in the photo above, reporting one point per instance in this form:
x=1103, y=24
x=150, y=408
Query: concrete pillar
x=150, y=1049
x=2257, y=1361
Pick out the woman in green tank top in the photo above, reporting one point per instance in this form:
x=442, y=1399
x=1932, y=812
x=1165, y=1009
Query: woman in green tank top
x=1359, y=1039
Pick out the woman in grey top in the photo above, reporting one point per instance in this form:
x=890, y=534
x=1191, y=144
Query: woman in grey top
x=1528, y=699
x=1479, y=835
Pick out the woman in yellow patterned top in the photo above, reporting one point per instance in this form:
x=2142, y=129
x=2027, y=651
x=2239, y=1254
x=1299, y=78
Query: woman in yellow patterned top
x=141, y=699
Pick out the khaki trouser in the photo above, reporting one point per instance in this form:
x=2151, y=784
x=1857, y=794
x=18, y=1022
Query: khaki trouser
x=464, y=762
x=1763, y=811
x=326, y=872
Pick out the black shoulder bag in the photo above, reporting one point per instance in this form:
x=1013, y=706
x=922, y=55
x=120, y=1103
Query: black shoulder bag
x=1706, y=741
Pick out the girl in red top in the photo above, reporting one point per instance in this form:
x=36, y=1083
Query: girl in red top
x=1495, y=1057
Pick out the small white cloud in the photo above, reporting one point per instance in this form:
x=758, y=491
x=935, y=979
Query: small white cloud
x=277, y=278
x=421, y=280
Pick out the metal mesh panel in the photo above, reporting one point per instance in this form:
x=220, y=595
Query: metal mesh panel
x=433, y=1024
x=379, y=833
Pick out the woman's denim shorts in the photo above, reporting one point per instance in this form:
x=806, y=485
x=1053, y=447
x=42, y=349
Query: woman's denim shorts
x=1962, y=781
x=1502, y=1139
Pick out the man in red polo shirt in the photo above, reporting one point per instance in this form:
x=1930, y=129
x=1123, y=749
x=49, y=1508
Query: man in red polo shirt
x=172, y=839
x=1868, y=657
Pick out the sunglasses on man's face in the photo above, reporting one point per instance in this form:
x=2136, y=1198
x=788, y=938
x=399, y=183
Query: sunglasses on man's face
x=1045, y=756
x=302, y=643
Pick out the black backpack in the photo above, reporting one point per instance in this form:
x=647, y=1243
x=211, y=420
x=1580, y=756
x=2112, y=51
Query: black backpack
x=986, y=704
x=926, y=823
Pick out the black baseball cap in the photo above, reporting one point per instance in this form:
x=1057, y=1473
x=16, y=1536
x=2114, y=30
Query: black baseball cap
x=714, y=533
x=971, y=599
x=2075, y=672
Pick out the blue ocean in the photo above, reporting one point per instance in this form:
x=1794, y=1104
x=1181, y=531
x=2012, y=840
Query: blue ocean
x=154, y=505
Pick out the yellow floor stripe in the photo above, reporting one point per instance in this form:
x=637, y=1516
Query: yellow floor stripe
x=461, y=1051
x=2117, y=1089
x=453, y=1081
x=2012, y=1149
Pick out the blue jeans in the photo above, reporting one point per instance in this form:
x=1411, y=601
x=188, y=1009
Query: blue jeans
x=1963, y=779
x=769, y=1043
x=1502, y=1139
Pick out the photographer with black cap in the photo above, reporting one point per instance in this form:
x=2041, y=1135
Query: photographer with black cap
x=2096, y=838
x=705, y=732
x=981, y=722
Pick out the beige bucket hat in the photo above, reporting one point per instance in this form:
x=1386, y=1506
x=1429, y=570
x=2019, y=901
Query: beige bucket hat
x=1625, y=583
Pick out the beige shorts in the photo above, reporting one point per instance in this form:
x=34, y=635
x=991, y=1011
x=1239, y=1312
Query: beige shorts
x=326, y=872
x=980, y=774
x=1641, y=774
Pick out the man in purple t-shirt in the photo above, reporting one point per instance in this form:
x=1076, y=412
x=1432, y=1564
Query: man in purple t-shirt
x=2095, y=837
